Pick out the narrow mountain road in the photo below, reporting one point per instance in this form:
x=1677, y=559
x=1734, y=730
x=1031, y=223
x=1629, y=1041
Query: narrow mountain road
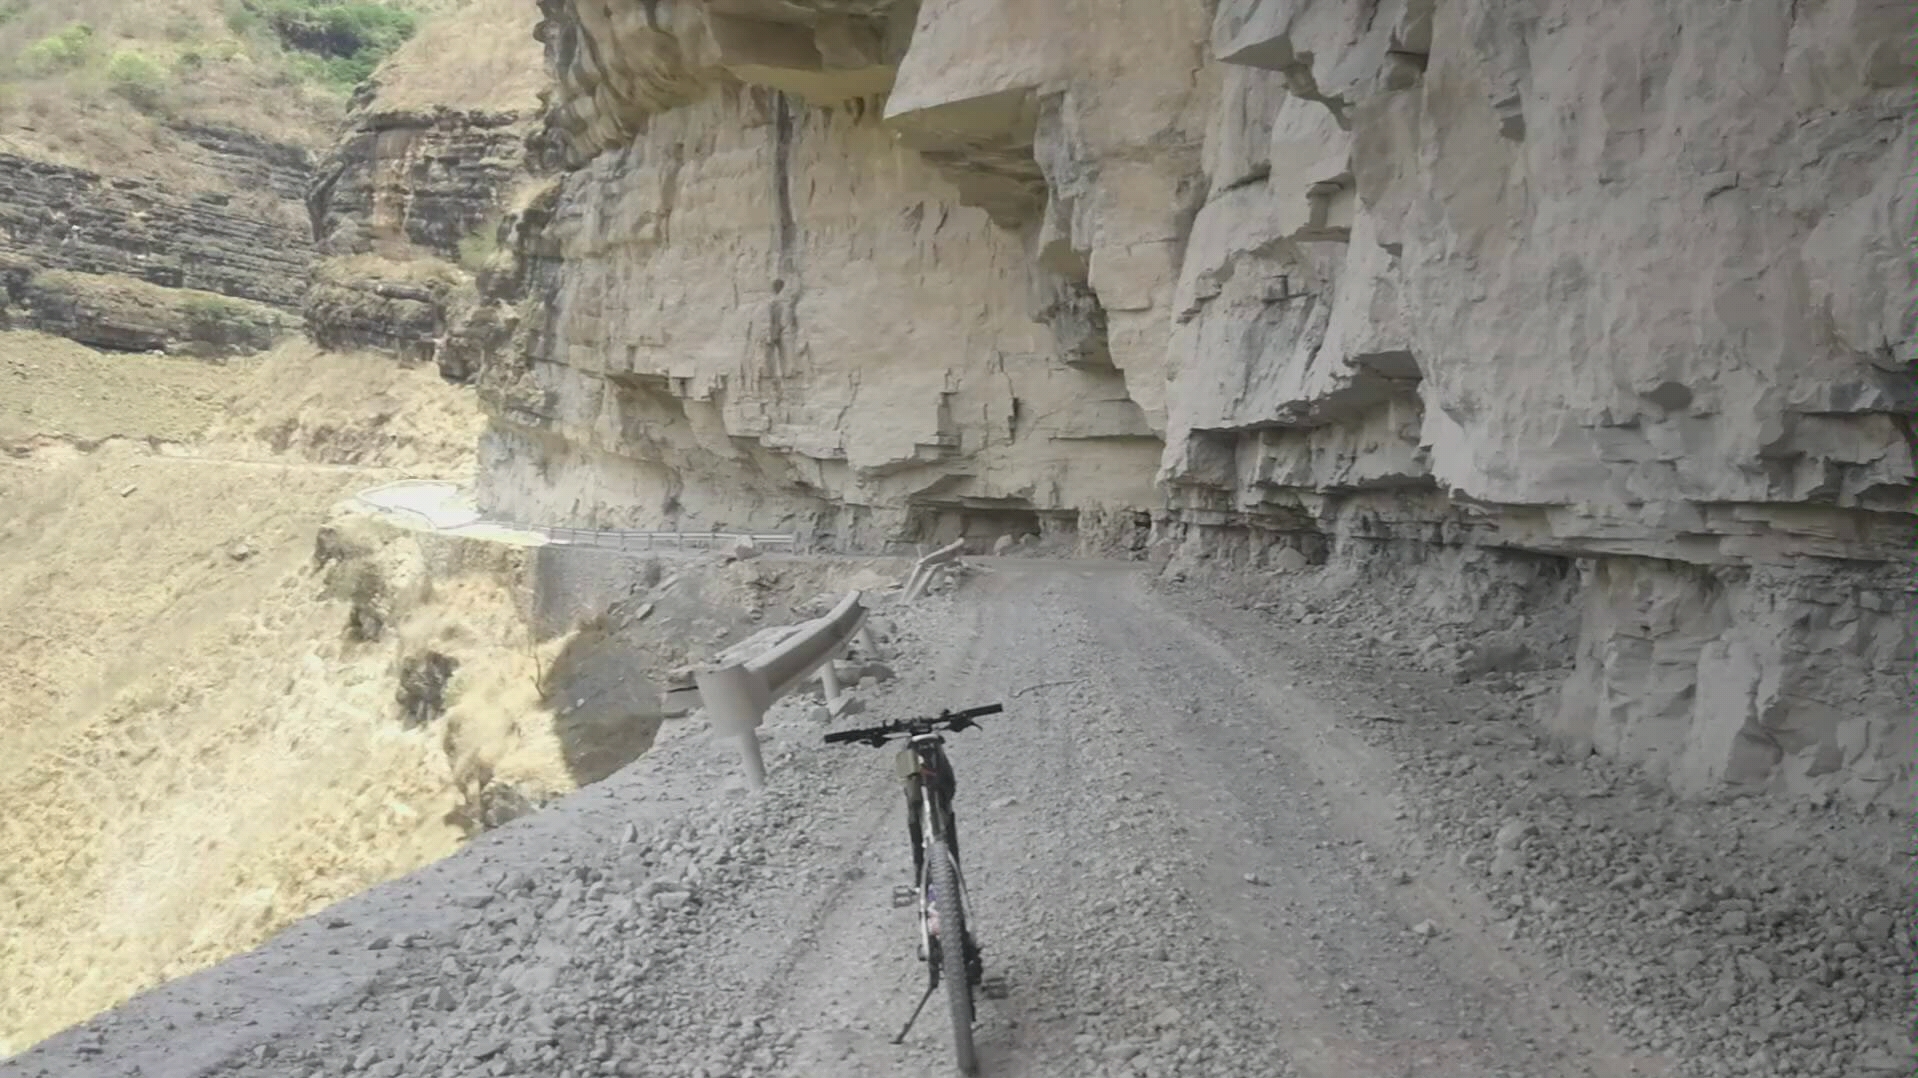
x=1162, y=869
x=1178, y=863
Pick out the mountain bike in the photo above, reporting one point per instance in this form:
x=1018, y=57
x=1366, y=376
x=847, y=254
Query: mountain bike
x=946, y=944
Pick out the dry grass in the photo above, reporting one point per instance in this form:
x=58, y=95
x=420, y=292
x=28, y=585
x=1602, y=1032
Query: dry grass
x=466, y=54
x=328, y=408
x=51, y=387
x=196, y=754
x=480, y=56
x=70, y=115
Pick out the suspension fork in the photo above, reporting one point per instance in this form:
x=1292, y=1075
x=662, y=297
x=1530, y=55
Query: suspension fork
x=931, y=844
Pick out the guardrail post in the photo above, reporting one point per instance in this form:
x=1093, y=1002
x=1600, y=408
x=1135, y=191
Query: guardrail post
x=922, y=569
x=829, y=684
x=868, y=643
x=736, y=700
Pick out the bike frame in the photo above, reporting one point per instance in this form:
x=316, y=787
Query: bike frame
x=935, y=818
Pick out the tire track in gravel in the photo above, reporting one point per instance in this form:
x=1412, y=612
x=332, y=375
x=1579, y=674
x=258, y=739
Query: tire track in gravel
x=1075, y=880
x=1261, y=756
x=825, y=815
x=862, y=978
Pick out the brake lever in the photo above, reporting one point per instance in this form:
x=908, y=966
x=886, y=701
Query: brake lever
x=963, y=724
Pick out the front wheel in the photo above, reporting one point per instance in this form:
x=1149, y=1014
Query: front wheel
x=952, y=955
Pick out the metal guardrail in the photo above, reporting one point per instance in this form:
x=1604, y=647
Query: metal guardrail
x=602, y=538
x=736, y=694
x=660, y=540
x=922, y=569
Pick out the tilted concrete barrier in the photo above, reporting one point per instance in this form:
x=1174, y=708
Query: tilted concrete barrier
x=736, y=693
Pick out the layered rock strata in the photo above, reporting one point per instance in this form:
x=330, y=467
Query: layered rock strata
x=132, y=262
x=1620, y=284
x=406, y=211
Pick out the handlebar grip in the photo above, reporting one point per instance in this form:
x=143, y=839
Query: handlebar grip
x=838, y=736
x=979, y=712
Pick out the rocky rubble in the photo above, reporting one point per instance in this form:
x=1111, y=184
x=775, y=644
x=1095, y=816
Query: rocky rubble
x=660, y=923
x=1743, y=938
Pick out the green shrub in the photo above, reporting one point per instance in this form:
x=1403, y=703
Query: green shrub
x=65, y=49
x=211, y=308
x=338, y=42
x=479, y=245
x=135, y=76
x=241, y=19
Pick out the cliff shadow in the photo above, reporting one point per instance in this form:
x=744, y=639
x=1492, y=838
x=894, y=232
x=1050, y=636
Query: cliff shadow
x=606, y=711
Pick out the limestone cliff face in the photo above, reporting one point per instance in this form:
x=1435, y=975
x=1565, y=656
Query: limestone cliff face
x=1623, y=284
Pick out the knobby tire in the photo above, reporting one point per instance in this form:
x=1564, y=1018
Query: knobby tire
x=952, y=955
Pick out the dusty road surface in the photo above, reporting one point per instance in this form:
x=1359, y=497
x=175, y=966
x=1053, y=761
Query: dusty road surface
x=1179, y=862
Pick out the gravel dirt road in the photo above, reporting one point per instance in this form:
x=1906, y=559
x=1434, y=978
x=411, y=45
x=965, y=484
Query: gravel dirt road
x=1181, y=862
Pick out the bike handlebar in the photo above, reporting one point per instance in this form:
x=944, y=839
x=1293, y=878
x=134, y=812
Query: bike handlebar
x=879, y=735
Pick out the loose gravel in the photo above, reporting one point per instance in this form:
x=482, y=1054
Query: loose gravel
x=1733, y=936
x=1192, y=852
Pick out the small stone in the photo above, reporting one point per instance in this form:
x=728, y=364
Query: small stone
x=379, y=943
x=1402, y=877
x=1255, y=879
x=1883, y=1061
x=1287, y=560
x=1733, y=922
x=1425, y=929
x=1512, y=833
x=1687, y=959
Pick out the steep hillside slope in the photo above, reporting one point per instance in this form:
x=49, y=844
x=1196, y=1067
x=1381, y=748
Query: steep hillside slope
x=1619, y=288
x=198, y=752
x=156, y=159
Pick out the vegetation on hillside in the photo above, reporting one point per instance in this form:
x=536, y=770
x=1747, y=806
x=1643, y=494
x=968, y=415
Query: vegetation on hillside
x=81, y=71
x=337, y=42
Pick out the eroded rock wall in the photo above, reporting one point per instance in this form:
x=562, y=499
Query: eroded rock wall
x=407, y=206
x=1622, y=284
x=135, y=262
